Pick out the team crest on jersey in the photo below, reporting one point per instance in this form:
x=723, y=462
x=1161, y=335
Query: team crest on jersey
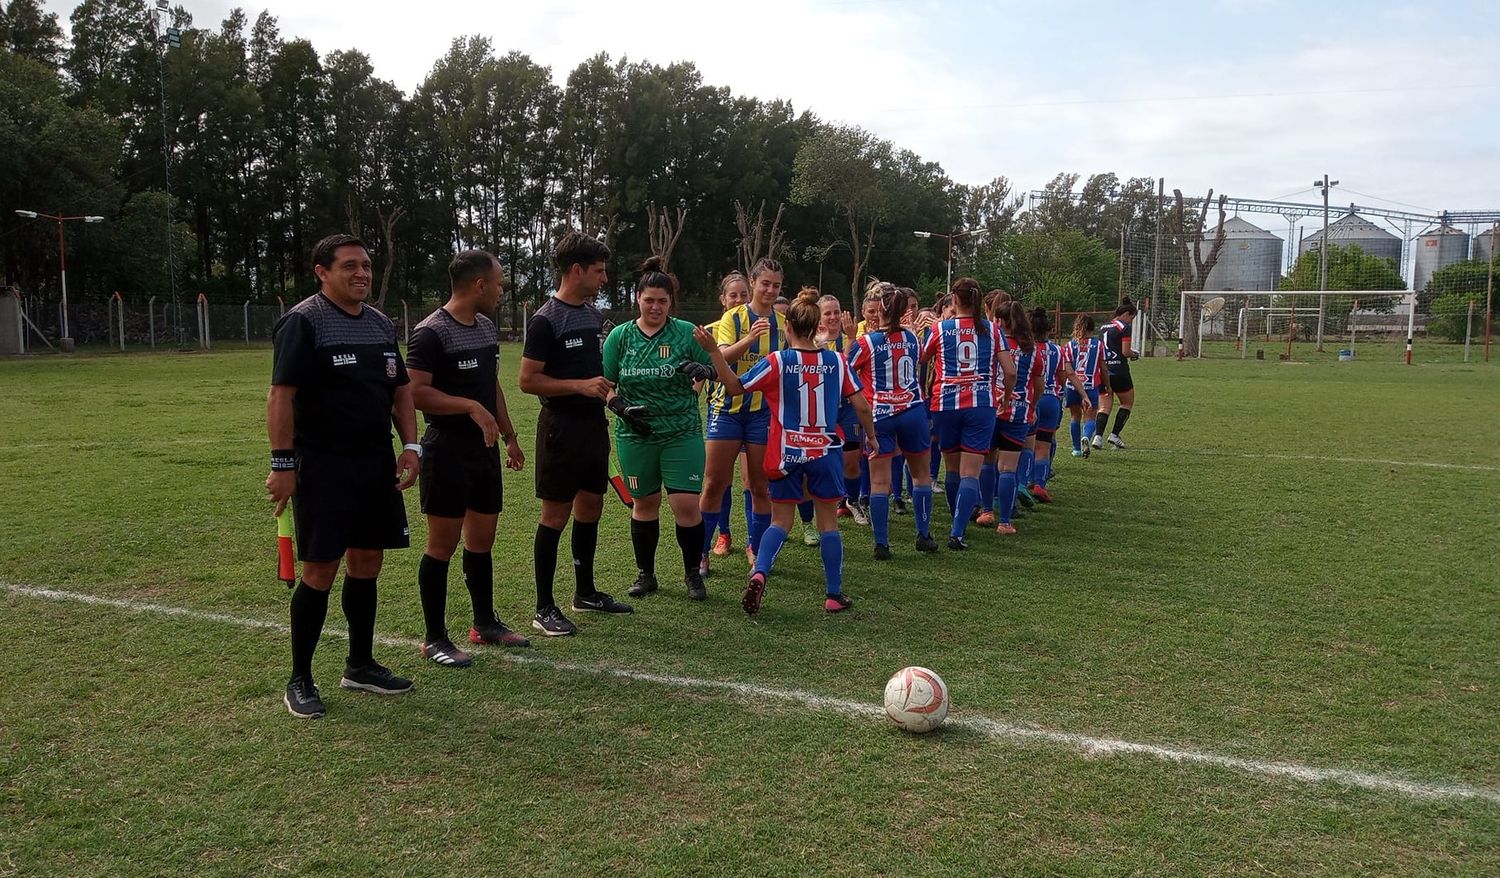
x=665, y=351
x=634, y=483
x=390, y=366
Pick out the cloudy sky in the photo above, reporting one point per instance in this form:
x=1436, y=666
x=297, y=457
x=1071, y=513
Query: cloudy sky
x=1397, y=99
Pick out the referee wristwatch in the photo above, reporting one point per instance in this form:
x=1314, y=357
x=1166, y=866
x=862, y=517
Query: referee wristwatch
x=415, y=447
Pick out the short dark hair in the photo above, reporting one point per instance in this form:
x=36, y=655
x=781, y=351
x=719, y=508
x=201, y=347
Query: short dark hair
x=468, y=265
x=322, y=254
x=576, y=248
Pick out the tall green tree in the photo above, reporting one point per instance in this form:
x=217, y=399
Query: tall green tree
x=28, y=31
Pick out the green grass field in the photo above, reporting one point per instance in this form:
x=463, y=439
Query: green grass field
x=1293, y=563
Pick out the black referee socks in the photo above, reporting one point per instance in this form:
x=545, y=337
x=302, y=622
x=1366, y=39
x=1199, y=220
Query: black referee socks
x=479, y=576
x=359, y=609
x=1121, y=417
x=585, y=543
x=1101, y=420
x=690, y=540
x=432, y=585
x=309, y=610
x=544, y=562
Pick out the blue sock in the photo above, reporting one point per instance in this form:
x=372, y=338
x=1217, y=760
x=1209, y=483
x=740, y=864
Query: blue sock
x=726, y=512
x=898, y=464
x=987, y=487
x=758, y=523
x=864, y=478
x=921, y=503
x=805, y=511
x=831, y=547
x=968, y=495
x=749, y=509
x=950, y=490
x=1023, y=468
x=1007, y=492
x=1088, y=430
x=937, y=459
x=1040, y=470
x=710, y=519
x=770, y=543
x=880, y=518
x=1074, y=430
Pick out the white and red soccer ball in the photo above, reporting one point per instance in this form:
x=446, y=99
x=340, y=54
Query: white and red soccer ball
x=916, y=699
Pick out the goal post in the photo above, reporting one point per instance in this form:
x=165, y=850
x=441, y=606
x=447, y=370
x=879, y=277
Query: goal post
x=1280, y=324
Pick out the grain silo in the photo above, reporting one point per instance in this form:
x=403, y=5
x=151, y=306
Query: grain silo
x=1249, y=260
x=1437, y=248
x=1355, y=229
x=1484, y=244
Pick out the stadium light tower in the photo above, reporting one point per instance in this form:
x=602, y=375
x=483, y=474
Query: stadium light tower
x=62, y=256
x=1324, y=184
x=951, y=236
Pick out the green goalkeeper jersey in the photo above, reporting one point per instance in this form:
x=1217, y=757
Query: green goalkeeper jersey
x=643, y=369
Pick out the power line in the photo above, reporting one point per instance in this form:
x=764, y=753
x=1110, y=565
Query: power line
x=1184, y=98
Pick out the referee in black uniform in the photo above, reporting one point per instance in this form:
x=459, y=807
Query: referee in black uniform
x=563, y=363
x=337, y=384
x=454, y=363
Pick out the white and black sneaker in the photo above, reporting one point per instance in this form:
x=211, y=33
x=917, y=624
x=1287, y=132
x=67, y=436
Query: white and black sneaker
x=1116, y=441
x=376, y=678
x=860, y=513
x=302, y=699
x=444, y=653
x=553, y=623
x=1098, y=441
x=599, y=602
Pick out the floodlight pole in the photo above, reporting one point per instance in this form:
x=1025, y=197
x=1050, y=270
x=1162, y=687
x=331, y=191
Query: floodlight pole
x=1324, y=185
x=62, y=255
x=1489, y=288
x=951, y=236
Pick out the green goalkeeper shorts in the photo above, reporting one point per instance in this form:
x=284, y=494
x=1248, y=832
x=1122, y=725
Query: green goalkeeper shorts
x=676, y=464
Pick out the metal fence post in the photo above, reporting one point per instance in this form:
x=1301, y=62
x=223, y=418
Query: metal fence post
x=247, y=321
x=120, y=316
x=204, y=341
x=405, y=324
x=1468, y=329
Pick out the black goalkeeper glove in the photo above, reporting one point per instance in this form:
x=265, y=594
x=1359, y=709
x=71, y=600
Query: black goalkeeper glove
x=697, y=371
x=634, y=416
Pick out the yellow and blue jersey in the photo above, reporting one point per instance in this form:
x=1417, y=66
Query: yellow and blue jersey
x=733, y=326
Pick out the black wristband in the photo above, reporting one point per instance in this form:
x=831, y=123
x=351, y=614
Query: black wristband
x=283, y=459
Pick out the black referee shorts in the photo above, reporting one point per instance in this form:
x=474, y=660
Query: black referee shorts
x=1119, y=379
x=572, y=454
x=347, y=501
x=459, y=474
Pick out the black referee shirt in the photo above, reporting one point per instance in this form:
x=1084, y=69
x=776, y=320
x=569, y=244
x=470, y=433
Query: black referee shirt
x=346, y=369
x=569, y=341
x=463, y=360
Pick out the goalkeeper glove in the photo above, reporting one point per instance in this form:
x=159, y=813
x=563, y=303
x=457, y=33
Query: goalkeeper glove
x=634, y=416
x=696, y=371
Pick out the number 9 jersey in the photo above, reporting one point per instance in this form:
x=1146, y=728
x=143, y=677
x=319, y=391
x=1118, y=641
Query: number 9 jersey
x=965, y=352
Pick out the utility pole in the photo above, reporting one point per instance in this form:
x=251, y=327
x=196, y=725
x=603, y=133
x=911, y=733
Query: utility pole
x=1489, y=288
x=166, y=38
x=1325, y=184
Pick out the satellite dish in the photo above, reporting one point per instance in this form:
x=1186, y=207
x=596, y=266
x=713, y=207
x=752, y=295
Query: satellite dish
x=1212, y=307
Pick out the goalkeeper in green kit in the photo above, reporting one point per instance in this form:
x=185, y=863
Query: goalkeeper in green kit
x=653, y=361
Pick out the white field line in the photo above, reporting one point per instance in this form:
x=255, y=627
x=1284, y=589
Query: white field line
x=993, y=729
x=1372, y=461
x=115, y=443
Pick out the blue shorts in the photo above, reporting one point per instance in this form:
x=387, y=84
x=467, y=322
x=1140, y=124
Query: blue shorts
x=849, y=424
x=821, y=478
x=908, y=432
x=965, y=429
x=751, y=428
x=1048, y=413
x=1074, y=399
x=1011, y=435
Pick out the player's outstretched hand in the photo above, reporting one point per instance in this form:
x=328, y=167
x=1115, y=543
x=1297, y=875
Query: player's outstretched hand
x=705, y=339
x=407, y=467
x=696, y=371
x=486, y=421
x=634, y=416
x=281, y=484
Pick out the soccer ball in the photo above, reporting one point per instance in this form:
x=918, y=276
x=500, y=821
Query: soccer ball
x=916, y=699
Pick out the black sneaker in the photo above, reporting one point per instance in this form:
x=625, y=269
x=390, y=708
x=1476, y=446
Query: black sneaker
x=302, y=699
x=899, y=505
x=443, y=652
x=496, y=633
x=553, y=623
x=696, y=591
x=644, y=585
x=957, y=544
x=882, y=552
x=836, y=603
x=926, y=544
x=376, y=678
x=755, y=589
x=599, y=602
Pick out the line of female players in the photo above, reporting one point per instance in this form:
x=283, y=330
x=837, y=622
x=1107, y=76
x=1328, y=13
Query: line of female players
x=805, y=400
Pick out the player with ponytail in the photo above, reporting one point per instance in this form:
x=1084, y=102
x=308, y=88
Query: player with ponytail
x=1015, y=415
x=803, y=387
x=1055, y=373
x=1084, y=356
